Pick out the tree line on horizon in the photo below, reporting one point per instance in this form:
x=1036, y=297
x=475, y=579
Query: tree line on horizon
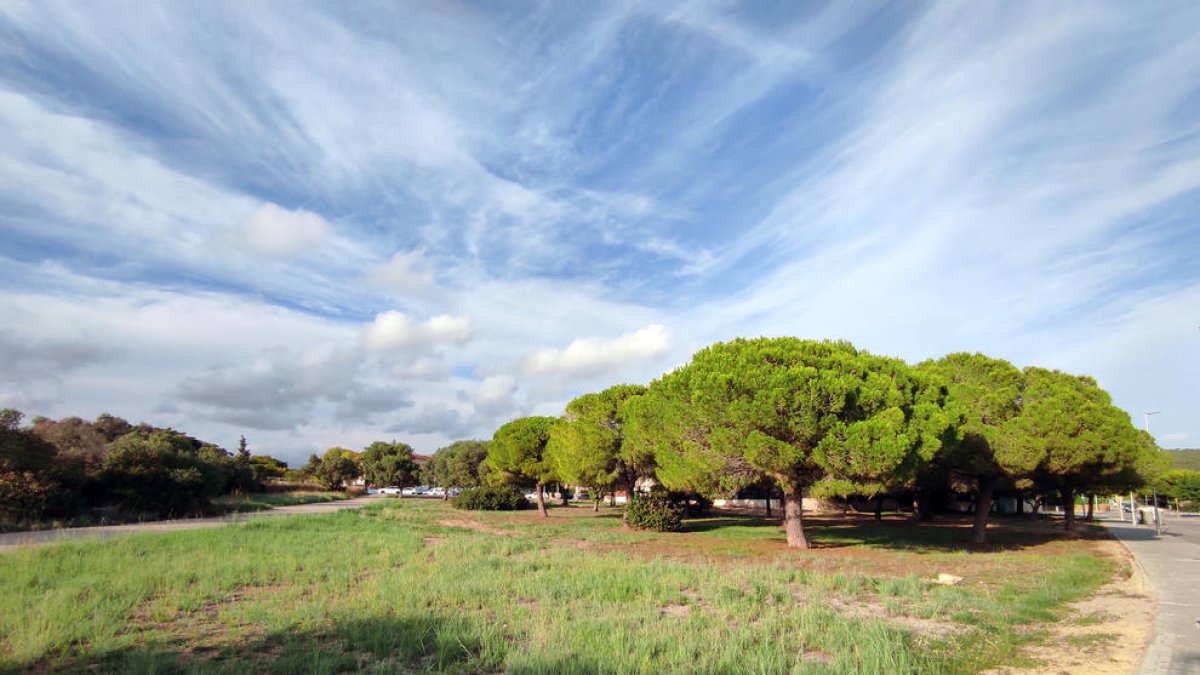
x=77, y=471
x=766, y=417
x=793, y=417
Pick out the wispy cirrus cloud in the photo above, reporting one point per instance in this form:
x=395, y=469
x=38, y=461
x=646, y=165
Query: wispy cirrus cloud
x=338, y=221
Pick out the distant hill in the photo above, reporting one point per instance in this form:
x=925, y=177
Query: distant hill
x=1186, y=459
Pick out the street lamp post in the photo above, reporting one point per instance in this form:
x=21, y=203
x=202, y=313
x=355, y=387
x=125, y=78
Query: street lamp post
x=1154, y=489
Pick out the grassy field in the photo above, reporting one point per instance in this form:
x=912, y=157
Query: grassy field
x=261, y=501
x=413, y=585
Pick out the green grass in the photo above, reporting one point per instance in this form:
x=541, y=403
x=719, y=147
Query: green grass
x=1086, y=641
x=388, y=589
x=261, y=501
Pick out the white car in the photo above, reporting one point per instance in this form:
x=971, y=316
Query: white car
x=390, y=490
x=437, y=491
x=408, y=492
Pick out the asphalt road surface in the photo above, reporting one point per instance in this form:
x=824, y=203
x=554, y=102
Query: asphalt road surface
x=1172, y=561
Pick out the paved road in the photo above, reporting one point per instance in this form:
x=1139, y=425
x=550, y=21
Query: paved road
x=1172, y=562
x=14, y=540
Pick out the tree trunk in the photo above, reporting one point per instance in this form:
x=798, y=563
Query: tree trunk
x=1020, y=503
x=793, y=518
x=1068, y=498
x=596, y=504
x=541, y=501
x=563, y=492
x=768, y=502
x=878, y=507
x=1091, y=507
x=923, y=512
x=983, y=507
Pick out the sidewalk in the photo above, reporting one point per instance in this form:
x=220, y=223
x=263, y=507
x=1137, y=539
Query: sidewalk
x=1172, y=561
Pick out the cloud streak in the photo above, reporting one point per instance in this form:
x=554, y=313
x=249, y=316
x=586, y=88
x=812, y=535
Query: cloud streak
x=335, y=222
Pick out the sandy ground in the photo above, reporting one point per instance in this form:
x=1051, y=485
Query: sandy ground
x=1106, y=634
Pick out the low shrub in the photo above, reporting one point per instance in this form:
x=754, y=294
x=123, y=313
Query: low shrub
x=655, y=511
x=488, y=498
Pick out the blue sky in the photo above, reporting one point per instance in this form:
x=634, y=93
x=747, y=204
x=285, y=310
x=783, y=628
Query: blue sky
x=314, y=224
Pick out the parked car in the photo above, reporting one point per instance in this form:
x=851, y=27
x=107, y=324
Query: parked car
x=531, y=496
x=409, y=492
x=390, y=490
x=421, y=490
x=582, y=496
x=437, y=491
x=454, y=492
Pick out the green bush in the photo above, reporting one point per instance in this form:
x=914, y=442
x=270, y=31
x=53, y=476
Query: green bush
x=490, y=498
x=655, y=511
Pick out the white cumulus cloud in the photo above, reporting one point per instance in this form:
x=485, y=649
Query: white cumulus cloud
x=495, y=394
x=277, y=231
x=589, y=356
x=395, y=330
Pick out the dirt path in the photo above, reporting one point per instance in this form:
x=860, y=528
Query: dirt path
x=13, y=540
x=1105, y=634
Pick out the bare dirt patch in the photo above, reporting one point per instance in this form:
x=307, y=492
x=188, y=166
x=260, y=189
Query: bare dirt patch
x=474, y=525
x=677, y=611
x=816, y=656
x=872, y=607
x=202, y=634
x=1105, y=634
